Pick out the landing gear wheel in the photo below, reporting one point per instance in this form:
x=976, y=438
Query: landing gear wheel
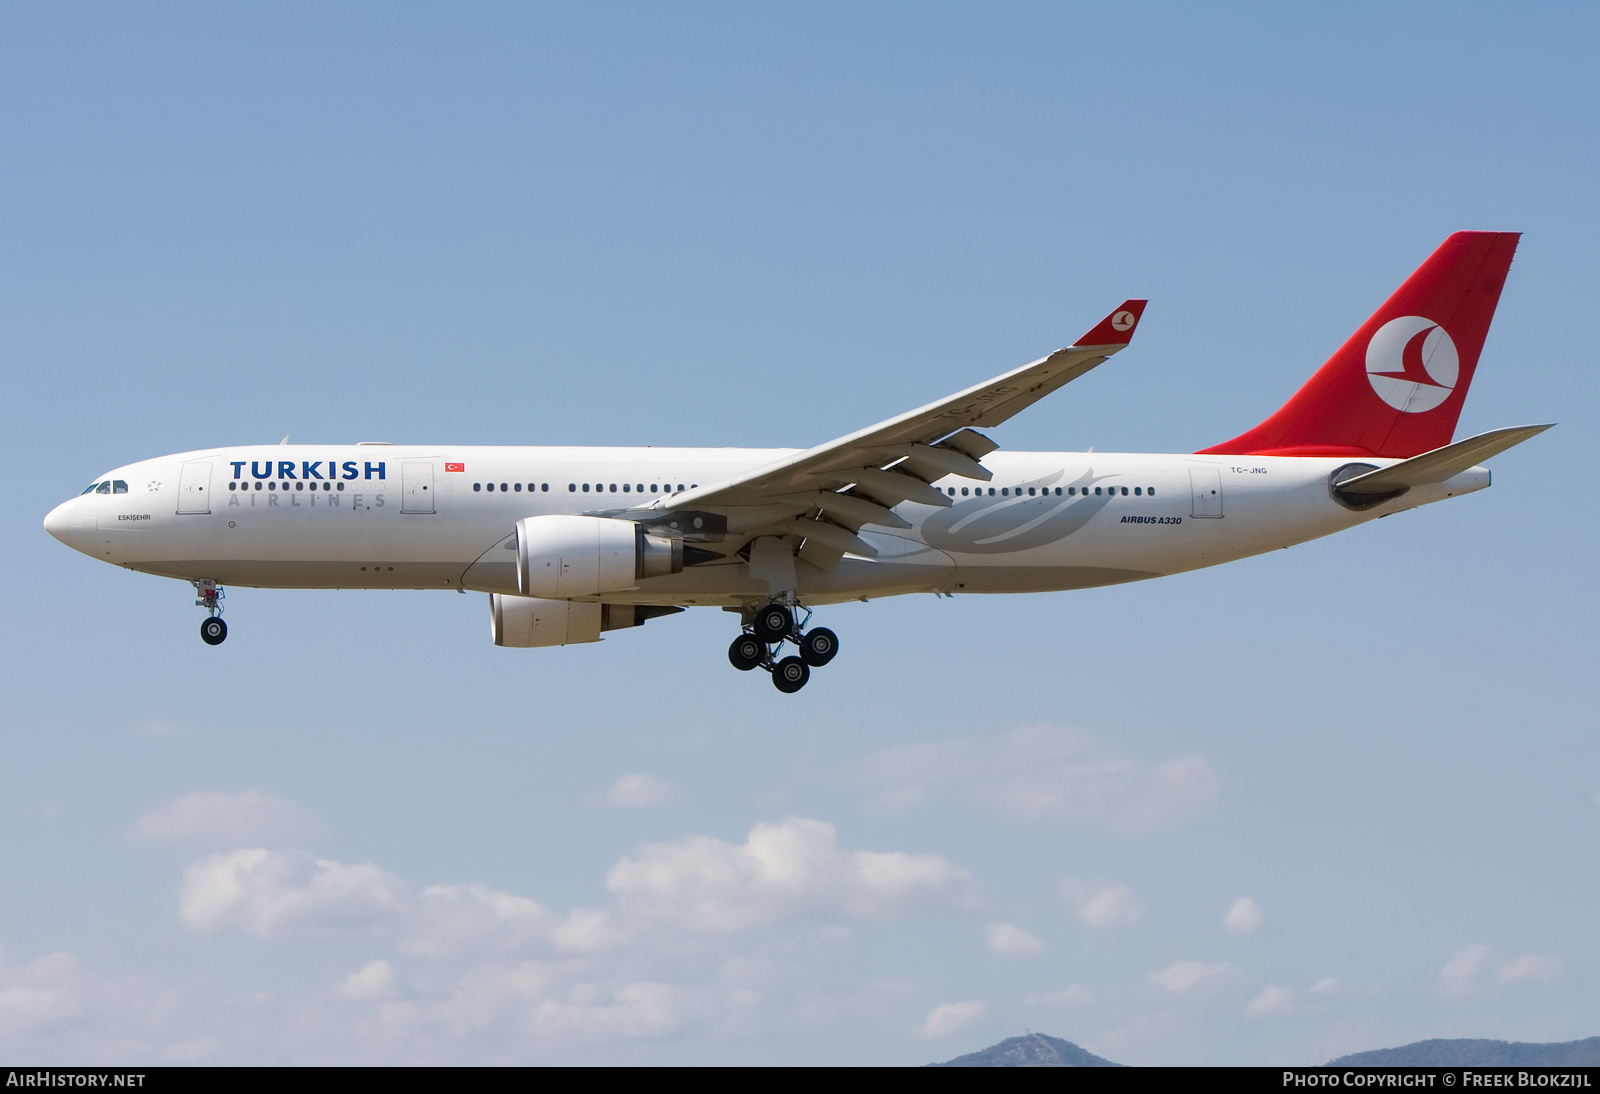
x=773, y=623
x=818, y=647
x=790, y=675
x=747, y=652
x=213, y=631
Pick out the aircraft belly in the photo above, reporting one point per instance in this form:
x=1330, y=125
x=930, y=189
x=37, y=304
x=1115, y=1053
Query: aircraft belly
x=375, y=573
x=1042, y=579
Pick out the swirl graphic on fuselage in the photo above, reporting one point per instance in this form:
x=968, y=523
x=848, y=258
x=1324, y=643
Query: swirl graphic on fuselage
x=993, y=526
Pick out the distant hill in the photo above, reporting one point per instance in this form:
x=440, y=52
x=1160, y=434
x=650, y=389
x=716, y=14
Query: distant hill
x=1034, y=1050
x=1470, y=1053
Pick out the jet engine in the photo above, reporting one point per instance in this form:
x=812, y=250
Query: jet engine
x=565, y=556
x=534, y=621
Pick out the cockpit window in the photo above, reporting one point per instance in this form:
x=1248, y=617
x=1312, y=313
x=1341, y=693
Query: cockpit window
x=103, y=488
x=119, y=487
x=91, y=488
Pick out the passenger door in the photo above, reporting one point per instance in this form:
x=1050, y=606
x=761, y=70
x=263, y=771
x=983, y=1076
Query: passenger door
x=194, y=487
x=1205, y=486
x=416, y=486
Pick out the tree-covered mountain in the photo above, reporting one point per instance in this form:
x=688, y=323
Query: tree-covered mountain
x=1478, y=1053
x=1032, y=1050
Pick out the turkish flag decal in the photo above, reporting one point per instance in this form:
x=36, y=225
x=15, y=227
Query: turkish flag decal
x=455, y=467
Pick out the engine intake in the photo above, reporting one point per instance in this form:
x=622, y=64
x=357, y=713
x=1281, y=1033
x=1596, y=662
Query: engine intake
x=566, y=556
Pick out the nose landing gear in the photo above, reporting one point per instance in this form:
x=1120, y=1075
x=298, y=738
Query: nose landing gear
x=212, y=629
x=765, y=634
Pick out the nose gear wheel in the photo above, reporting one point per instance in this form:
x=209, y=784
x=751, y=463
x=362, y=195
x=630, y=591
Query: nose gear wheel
x=210, y=595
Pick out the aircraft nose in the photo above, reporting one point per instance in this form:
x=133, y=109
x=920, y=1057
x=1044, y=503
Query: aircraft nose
x=59, y=522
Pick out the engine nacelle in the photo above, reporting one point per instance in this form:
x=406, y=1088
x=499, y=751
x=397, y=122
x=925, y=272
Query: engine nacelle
x=525, y=621
x=565, y=556
x=532, y=621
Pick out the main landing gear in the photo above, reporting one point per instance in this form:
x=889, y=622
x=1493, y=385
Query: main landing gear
x=212, y=629
x=763, y=640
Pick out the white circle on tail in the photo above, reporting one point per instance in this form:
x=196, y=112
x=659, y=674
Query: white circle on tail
x=1412, y=364
x=1123, y=320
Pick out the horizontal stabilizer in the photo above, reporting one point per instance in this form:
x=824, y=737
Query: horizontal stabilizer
x=1441, y=463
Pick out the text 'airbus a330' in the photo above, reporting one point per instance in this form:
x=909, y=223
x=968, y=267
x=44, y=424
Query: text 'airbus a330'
x=572, y=542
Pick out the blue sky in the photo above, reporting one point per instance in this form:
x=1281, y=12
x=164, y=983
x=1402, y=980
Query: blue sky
x=1335, y=798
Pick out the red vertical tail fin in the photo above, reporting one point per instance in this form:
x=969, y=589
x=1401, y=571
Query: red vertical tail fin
x=1397, y=386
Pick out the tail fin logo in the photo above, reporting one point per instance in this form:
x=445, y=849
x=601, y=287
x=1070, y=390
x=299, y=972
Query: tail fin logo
x=1124, y=320
x=1412, y=364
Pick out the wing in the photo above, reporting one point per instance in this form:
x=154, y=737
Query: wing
x=825, y=494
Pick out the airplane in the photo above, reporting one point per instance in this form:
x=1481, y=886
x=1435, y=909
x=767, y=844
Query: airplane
x=570, y=543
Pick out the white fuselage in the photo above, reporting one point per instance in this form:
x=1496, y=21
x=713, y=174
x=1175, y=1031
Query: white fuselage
x=393, y=516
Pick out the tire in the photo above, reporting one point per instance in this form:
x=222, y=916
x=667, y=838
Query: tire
x=747, y=652
x=773, y=623
x=213, y=631
x=790, y=675
x=818, y=647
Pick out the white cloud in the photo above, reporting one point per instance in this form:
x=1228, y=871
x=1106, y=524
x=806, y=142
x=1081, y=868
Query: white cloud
x=792, y=869
x=1456, y=978
x=455, y=919
x=1328, y=985
x=784, y=871
x=55, y=996
x=29, y=1008
x=635, y=791
x=371, y=982
x=219, y=818
x=1073, y=995
x=188, y=1052
x=1101, y=903
x=1181, y=976
x=1271, y=1000
x=947, y=1018
x=1545, y=970
x=1244, y=916
x=288, y=894
x=1009, y=940
x=1047, y=773
x=484, y=992
x=642, y=1009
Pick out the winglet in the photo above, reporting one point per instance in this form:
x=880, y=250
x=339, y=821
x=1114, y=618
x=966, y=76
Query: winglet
x=1117, y=328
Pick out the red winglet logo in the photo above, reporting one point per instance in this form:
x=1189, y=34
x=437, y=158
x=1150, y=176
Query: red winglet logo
x=1115, y=329
x=455, y=467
